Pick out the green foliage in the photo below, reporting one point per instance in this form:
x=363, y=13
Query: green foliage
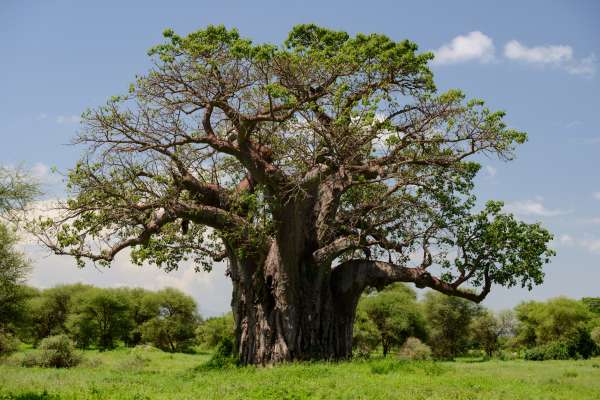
x=14, y=268
x=592, y=303
x=580, y=345
x=173, y=329
x=50, y=309
x=365, y=335
x=100, y=316
x=550, y=351
x=485, y=330
x=8, y=344
x=17, y=188
x=143, y=306
x=223, y=357
x=508, y=251
x=595, y=335
x=214, y=330
x=395, y=315
x=55, y=352
x=103, y=318
x=448, y=319
x=555, y=320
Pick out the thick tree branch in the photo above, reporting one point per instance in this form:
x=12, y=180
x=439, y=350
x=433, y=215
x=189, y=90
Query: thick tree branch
x=356, y=275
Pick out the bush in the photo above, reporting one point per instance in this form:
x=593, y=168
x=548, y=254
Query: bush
x=414, y=349
x=223, y=356
x=8, y=344
x=55, y=352
x=580, y=345
x=550, y=351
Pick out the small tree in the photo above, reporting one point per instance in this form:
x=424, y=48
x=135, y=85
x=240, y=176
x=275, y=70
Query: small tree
x=214, y=330
x=173, y=329
x=101, y=316
x=485, y=331
x=448, y=319
x=396, y=315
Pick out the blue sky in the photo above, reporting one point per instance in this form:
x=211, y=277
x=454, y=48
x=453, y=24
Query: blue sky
x=539, y=61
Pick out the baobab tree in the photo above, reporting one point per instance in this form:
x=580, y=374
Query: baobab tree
x=315, y=169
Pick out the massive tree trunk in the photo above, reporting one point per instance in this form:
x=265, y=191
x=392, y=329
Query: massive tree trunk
x=287, y=307
x=281, y=319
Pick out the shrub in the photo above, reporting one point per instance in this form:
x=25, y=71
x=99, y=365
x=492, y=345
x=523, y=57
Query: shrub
x=414, y=349
x=30, y=360
x=223, y=356
x=55, y=352
x=582, y=345
x=550, y=351
x=8, y=344
x=578, y=346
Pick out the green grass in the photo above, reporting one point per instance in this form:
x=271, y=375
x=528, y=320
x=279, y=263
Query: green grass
x=134, y=374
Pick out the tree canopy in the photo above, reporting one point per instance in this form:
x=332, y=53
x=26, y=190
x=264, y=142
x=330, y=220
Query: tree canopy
x=16, y=189
x=395, y=314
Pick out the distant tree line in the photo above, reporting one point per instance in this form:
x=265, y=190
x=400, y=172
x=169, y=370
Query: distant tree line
x=559, y=328
x=105, y=318
x=388, y=321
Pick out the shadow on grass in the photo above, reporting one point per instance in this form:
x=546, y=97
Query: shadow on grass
x=29, y=396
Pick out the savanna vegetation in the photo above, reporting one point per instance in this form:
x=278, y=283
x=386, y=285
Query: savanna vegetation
x=432, y=348
x=320, y=170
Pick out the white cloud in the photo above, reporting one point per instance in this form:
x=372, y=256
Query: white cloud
x=42, y=116
x=565, y=239
x=591, y=245
x=532, y=208
x=67, y=119
x=44, y=174
x=596, y=195
x=474, y=46
x=560, y=56
x=586, y=66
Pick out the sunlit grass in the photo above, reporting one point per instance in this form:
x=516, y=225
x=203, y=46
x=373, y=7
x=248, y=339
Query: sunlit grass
x=143, y=374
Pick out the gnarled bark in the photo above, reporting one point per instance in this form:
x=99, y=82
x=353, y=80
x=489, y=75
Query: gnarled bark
x=281, y=319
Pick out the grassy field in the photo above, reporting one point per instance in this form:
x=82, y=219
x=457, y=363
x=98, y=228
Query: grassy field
x=138, y=374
